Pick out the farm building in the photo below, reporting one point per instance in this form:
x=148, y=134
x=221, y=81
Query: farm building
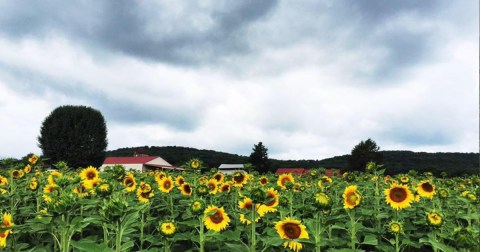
x=139, y=163
x=300, y=171
x=231, y=168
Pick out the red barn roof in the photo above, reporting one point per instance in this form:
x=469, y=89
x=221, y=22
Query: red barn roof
x=294, y=171
x=128, y=160
x=330, y=172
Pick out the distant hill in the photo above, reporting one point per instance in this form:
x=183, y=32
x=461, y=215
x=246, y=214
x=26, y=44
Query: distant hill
x=395, y=161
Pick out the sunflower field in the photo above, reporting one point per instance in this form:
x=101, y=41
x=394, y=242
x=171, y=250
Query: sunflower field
x=116, y=210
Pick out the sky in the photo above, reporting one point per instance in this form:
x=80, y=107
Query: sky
x=308, y=78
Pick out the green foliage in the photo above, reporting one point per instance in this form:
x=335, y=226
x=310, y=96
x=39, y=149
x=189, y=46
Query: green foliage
x=259, y=158
x=362, y=153
x=74, y=134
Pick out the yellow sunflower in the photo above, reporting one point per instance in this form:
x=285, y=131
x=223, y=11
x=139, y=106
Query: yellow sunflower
x=168, y=228
x=426, y=189
x=398, y=196
x=195, y=163
x=143, y=195
x=263, y=181
x=179, y=180
x=3, y=180
x=284, y=178
x=7, y=220
x=239, y=179
x=33, y=159
x=215, y=218
x=351, y=197
x=326, y=179
x=219, y=177
x=225, y=187
x=271, y=200
x=33, y=185
x=404, y=179
x=291, y=230
x=246, y=204
x=90, y=184
x=81, y=191
x=27, y=169
x=159, y=175
x=50, y=188
x=166, y=184
x=212, y=186
x=130, y=183
x=53, y=176
x=395, y=227
x=185, y=189
x=434, y=219
x=89, y=173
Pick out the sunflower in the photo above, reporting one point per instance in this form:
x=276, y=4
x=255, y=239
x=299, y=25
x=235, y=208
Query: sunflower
x=271, y=204
x=168, y=228
x=239, y=179
x=53, y=176
x=159, y=175
x=33, y=185
x=202, y=190
x=283, y=179
x=215, y=218
x=3, y=180
x=426, y=189
x=129, y=183
x=395, y=227
x=81, y=191
x=398, y=196
x=225, y=187
x=50, y=188
x=145, y=187
x=144, y=195
x=166, y=184
x=404, y=179
x=194, y=163
x=89, y=173
x=291, y=230
x=185, y=189
x=28, y=168
x=263, y=181
x=212, y=186
x=197, y=206
x=434, y=219
x=179, y=180
x=219, y=177
x=90, y=184
x=16, y=174
x=351, y=197
x=323, y=200
x=443, y=193
x=246, y=204
x=326, y=179
x=7, y=220
x=33, y=159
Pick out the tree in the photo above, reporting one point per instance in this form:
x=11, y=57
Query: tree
x=259, y=158
x=362, y=153
x=74, y=134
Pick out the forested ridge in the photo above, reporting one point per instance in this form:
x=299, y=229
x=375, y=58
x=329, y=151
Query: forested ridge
x=453, y=163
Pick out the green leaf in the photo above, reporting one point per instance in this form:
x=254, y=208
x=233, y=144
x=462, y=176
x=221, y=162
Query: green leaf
x=236, y=247
x=89, y=245
x=370, y=240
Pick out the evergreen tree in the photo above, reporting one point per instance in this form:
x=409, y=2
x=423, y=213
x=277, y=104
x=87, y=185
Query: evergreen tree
x=259, y=158
x=74, y=134
x=362, y=153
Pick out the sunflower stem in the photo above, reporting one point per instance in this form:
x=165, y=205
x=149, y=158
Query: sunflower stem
x=253, y=239
x=317, y=233
x=202, y=239
x=353, y=232
x=171, y=205
x=397, y=246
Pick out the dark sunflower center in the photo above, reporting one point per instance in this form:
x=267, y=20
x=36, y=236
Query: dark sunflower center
x=129, y=182
x=217, y=217
x=263, y=181
x=284, y=180
x=167, y=184
x=398, y=194
x=187, y=189
x=292, y=230
x=211, y=186
x=91, y=175
x=238, y=178
x=248, y=205
x=427, y=187
x=225, y=188
x=218, y=177
x=181, y=181
x=272, y=200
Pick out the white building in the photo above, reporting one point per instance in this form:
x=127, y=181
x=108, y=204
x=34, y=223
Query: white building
x=231, y=168
x=139, y=163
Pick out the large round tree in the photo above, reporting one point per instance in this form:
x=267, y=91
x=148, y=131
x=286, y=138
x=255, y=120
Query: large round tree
x=362, y=153
x=74, y=134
